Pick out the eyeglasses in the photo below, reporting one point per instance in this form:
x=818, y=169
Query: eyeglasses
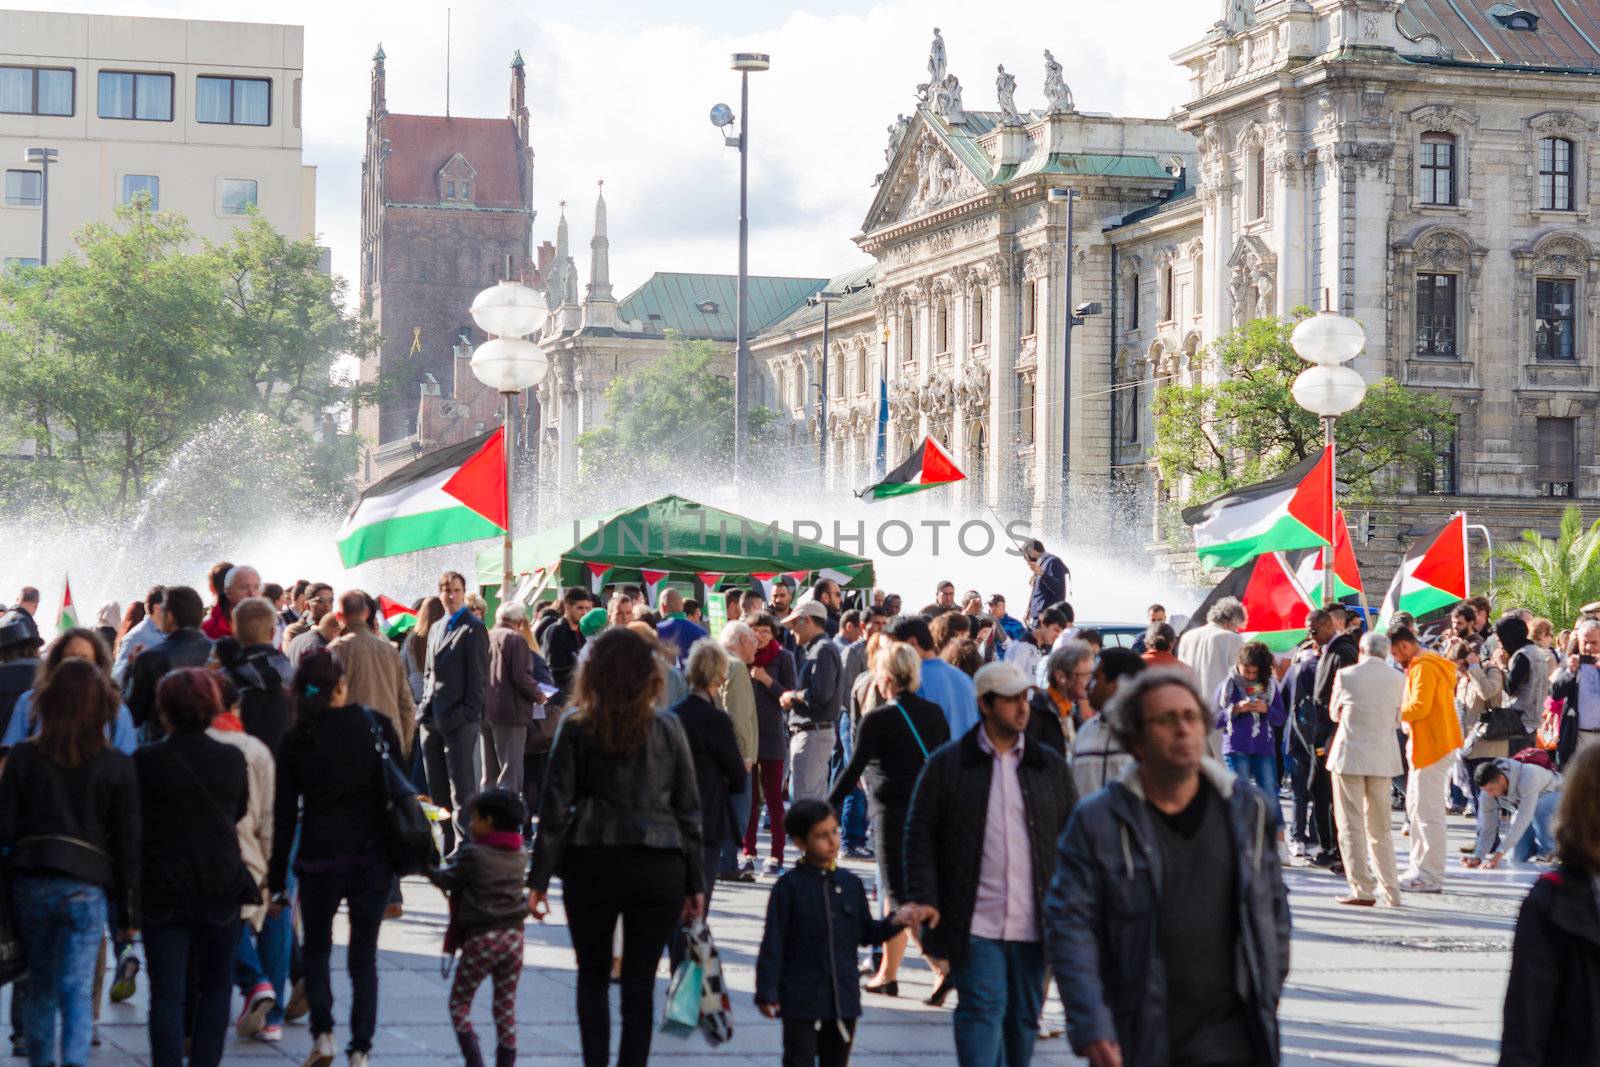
x=1169, y=719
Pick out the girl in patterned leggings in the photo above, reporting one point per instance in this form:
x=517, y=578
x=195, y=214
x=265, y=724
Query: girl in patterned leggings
x=487, y=909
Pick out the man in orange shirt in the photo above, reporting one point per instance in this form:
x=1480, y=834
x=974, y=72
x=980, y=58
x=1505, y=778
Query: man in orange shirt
x=1429, y=717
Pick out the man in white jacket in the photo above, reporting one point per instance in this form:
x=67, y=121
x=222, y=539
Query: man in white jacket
x=1363, y=758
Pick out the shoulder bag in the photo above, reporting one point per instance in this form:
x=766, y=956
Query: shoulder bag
x=407, y=834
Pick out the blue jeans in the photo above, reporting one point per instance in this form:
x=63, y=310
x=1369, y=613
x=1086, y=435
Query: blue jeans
x=740, y=802
x=1261, y=770
x=61, y=921
x=1001, y=989
x=195, y=946
x=263, y=956
x=853, y=814
x=1540, y=837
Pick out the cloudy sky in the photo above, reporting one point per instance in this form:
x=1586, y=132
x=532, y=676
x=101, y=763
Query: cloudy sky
x=619, y=89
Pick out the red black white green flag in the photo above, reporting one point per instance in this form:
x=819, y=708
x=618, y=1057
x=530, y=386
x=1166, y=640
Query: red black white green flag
x=927, y=466
x=451, y=495
x=1275, y=603
x=1283, y=513
x=396, y=617
x=1309, y=564
x=67, y=617
x=1435, y=574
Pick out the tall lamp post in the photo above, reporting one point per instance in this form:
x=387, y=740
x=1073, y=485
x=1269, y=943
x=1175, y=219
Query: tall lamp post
x=1075, y=317
x=1328, y=389
x=721, y=117
x=44, y=157
x=509, y=364
x=827, y=300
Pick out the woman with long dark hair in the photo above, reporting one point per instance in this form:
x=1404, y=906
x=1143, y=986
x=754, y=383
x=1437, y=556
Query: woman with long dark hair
x=76, y=643
x=69, y=814
x=331, y=788
x=193, y=789
x=620, y=817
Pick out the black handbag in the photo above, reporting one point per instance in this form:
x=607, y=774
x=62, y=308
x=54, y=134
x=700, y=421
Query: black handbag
x=1502, y=724
x=407, y=834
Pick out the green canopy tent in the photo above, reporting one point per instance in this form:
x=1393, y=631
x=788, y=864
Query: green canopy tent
x=672, y=538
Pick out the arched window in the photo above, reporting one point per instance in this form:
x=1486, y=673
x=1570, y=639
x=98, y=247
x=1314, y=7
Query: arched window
x=1555, y=174
x=1437, y=169
x=1133, y=302
x=1169, y=311
x=1258, y=179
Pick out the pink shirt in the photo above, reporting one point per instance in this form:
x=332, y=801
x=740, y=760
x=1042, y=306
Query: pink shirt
x=1004, y=907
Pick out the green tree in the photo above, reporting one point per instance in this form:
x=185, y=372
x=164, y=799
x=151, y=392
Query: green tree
x=673, y=414
x=1246, y=427
x=112, y=358
x=1552, y=578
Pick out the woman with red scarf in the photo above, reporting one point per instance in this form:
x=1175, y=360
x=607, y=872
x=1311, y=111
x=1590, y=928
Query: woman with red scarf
x=772, y=673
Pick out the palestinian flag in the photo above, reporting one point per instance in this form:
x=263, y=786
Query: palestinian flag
x=1283, y=513
x=927, y=466
x=68, y=616
x=1308, y=564
x=1275, y=603
x=450, y=495
x=397, y=618
x=1435, y=574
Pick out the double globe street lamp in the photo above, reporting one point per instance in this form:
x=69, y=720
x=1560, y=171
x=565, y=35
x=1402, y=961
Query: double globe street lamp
x=509, y=364
x=1329, y=389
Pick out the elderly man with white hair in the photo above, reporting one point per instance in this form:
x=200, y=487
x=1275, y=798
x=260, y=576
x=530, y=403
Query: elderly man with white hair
x=512, y=699
x=238, y=585
x=739, y=701
x=1363, y=759
x=1578, y=685
x=1210, y=652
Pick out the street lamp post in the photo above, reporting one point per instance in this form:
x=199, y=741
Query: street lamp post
x=1328, y=389
x=44, y=157
x=509, y=364
x=722, y=116
x=827, y=300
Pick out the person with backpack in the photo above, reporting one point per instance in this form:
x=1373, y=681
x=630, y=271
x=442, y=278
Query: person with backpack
x=487, y=911
x=332, y=790
x=69, y=815
x=258, y=670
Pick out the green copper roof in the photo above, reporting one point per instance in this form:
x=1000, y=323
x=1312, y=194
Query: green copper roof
x=702, y=305
x=807, y=315
x=1094, y=164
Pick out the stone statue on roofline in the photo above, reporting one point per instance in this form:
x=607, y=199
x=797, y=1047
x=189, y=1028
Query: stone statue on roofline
x=1005, y=87
x=936, y=60
x=1058, y=98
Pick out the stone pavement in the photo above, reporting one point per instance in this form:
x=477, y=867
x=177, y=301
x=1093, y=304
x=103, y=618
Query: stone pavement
x=1422, y=985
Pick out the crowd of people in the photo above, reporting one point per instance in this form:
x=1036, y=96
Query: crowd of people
x=194, y=788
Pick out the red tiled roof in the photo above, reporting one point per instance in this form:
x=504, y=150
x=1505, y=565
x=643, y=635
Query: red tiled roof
x=1467, y=31
x=420, y=144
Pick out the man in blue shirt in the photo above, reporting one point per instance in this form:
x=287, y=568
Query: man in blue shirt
x=947, y=686
x=675, y=629
x=1050, y=578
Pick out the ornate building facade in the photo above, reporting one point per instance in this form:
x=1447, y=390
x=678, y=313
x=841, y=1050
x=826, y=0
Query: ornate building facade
x=446, y=211
x=1423, y=165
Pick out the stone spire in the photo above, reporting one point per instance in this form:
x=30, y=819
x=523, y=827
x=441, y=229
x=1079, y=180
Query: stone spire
x=566, y=272
x=380, y=102
x=598, y=296
x=518, y=109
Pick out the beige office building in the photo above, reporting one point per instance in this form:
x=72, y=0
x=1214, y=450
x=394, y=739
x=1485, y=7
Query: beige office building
x=204, y=117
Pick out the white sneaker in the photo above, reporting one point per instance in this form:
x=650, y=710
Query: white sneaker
x=322, y=1052
x=1297, y=849
x=360, y=1059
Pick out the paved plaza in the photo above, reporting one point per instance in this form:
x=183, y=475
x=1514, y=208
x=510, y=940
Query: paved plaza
x=1417, y=986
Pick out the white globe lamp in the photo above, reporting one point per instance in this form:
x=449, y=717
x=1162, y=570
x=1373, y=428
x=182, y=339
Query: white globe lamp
x=1329, y=391
x=509, y=364
x=1328, y=340
x=509, y=309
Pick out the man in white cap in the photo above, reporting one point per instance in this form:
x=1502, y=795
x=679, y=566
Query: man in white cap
x=980, y=851
x=813, y=704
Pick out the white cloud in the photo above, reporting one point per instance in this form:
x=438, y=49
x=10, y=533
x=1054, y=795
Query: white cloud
x=626, y=100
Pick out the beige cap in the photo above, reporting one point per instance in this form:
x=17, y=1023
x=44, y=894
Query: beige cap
x=811, y=608
x=1004, y=679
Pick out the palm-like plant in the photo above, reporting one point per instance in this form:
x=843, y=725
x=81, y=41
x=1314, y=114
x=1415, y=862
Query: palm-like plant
x=1552, y=578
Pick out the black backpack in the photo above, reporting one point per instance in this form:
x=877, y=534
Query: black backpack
x=263, y=700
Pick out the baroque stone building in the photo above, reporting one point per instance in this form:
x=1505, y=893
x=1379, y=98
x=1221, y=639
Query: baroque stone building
x=446, y=211
x=1425, y=165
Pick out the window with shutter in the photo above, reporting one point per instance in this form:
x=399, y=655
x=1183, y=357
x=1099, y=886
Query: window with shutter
x=1558, y=456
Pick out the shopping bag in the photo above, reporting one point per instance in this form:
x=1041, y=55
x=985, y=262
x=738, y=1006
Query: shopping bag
x=682, y=1013
x=716, y=1010
x=1549, y=734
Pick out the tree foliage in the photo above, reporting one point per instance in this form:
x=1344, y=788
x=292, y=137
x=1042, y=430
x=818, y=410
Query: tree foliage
x=1245, y=426
x=113, y=358
x=1552, y=578
x=673, y=414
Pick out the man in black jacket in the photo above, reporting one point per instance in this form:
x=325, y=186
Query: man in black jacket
x=453, y=685
x=813, y=705
x=185, y=645
x=1339, y=650
x=980, y=849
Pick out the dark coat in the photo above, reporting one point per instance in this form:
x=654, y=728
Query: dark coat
x=945, y=828
x=192, y=790
x=1341, y=652
x=1044, y=723
x=511, y=693
x=1552, y=1014
x=485, y=885
x=457, y=673
x=1565, y=689
x=718, y=770
x=1100, y=918
x=816, y=920
x=181, y=648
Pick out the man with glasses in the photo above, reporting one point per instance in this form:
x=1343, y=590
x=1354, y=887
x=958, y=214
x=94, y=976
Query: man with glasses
x=1169, y=875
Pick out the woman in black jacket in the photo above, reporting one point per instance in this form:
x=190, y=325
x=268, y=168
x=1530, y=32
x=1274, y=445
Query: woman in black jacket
x=772, y=673
x=620, y=818
x=69, y=813
x=892, y=744
x=331, y=788
x=1552, y=1013
x=192, y=791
